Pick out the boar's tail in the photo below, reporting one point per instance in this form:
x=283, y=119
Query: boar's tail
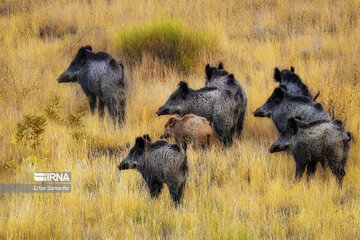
x=316, y=96
x=348, y=139
x=239, y=96
x=147, y=137
x=184, y=165
x=184, y=146
x=122, y=79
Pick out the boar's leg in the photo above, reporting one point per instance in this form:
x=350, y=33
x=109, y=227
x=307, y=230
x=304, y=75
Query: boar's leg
x=181, y=189
x=310, y=169
x=338, y=171
x=240, y=123
x=335, y=165
x=224, y=126
x=323, y=164
x=225, y=136
x=112, y=110
x=92, y=99
x=229, y=137
x=117, y=113
x=155, y=188
x=302, y=158
x=101, y=108
x=177, y=192
x=300, y=169
x=121, y=112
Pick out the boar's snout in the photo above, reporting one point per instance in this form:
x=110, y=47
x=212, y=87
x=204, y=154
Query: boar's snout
x=123, y=166
x=162, y=111
x=259, y=113
x=274, y=148
x=279, y=146
x=67, y=77
x=61, y=78
x=126, y=165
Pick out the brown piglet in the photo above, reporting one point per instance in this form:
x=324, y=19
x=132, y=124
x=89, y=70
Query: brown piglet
x=191, y=128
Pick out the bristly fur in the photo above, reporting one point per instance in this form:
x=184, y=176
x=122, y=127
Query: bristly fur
x=219, y=77
x=159, y=163
x=102, y=79
x=292, y=83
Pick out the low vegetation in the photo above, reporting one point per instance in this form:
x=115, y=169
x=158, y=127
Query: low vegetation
x=171, y=41
x=241, y=192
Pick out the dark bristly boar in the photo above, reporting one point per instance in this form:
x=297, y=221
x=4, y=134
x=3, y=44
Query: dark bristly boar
x=281, y=106
x=102, y=79
x=292, y=83
x=159, y=163
x=219, y=77
x=190, y=128
x=322, y=141
x=218, y=106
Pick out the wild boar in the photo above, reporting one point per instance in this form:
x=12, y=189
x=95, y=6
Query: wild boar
x=190, y=128
x=218, y=106
x=219, y=77
x=102, y=78
x=281, y=106
x=159, y=163
x=322, y=141
x=292, y=83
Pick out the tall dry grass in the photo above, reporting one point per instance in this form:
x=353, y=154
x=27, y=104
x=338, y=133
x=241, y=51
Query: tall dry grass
x=240, y=192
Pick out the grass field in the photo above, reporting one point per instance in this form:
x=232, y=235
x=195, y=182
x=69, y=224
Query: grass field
x=241, y=192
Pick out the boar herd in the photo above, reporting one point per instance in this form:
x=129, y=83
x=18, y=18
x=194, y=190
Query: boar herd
x=216, y=110
x=305, y=128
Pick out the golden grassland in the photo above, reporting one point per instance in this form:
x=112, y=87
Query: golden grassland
x=241, y=192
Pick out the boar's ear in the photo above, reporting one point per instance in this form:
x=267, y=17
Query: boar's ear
x=231, y=79
x=88, y=47
x=208, y=71
x=171, y=122
x=122, y=68
x=292, y=126
x=121, y=65
x=147, y=137
x=292, y=69
x=113, y=63
x=221, y=66
x=183, y=89
x=140, y=145
x=319, y=107
x=81, y=55
x=175, y=147
x=339, y=123
x=277, y=75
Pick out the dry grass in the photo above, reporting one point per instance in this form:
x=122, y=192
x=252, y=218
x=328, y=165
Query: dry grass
x=240, y=192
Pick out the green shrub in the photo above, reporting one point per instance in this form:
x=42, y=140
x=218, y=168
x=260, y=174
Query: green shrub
x=169, y=40
x=51, y=111
x=29, y=130
x=72, y=120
